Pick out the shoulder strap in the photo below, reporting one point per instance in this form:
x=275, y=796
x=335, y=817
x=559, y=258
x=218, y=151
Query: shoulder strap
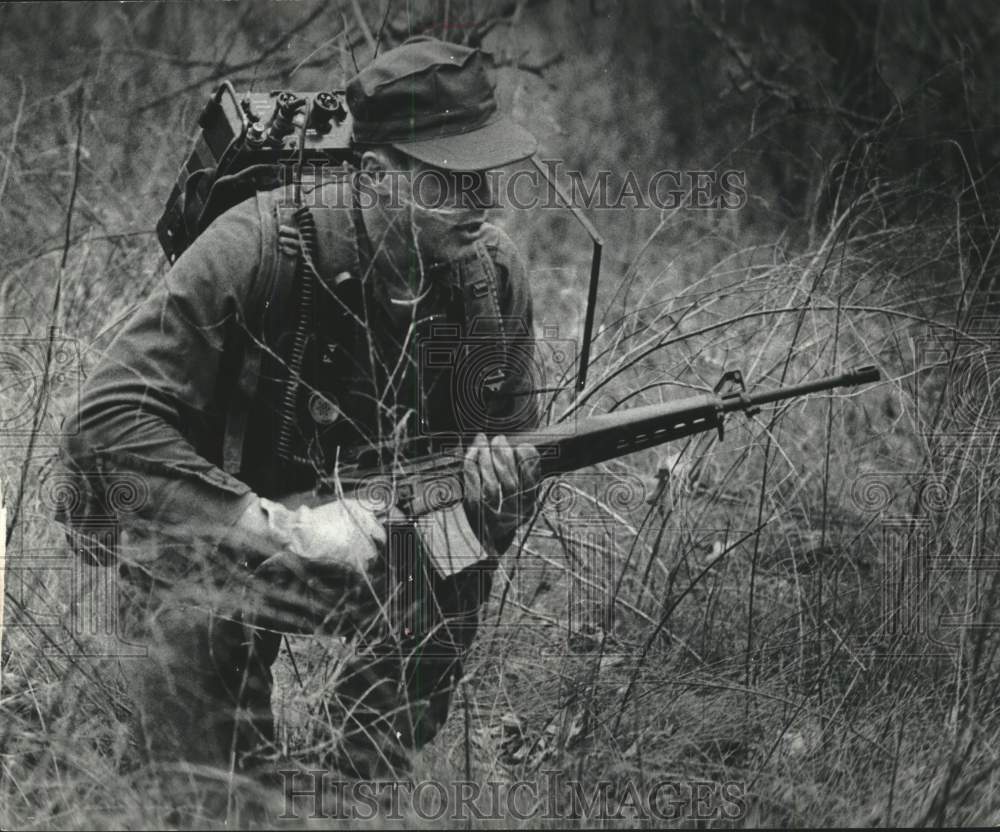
x=311, y=243
x=273, y=296
x=484, y=317
x=296, y=230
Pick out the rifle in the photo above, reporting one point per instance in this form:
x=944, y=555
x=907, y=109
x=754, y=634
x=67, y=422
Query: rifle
x=433, y=482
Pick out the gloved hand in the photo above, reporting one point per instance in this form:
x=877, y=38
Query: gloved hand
x=501, y=486
x=328, y=572
x=344, y=531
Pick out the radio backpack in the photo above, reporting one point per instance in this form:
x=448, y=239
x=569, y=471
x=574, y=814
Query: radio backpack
x=260, y=142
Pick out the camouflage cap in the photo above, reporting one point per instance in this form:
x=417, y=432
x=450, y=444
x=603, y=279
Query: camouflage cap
x=433, y=101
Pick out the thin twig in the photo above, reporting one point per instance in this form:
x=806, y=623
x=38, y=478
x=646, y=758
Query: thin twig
x=41, y=404
x=230, y=70
x=315, y=51
x=363, y=26
x=8, y=163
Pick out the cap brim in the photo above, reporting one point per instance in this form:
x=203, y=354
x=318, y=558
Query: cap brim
x=499, y=143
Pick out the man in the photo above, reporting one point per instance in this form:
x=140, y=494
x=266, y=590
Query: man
x=226, y=399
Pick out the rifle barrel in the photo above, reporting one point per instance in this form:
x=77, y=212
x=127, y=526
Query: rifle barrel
x=859, y=375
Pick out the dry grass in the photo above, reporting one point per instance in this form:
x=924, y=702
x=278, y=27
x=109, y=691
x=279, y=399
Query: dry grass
x=750, y=598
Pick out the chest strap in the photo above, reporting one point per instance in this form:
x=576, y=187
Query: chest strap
x=483, y=315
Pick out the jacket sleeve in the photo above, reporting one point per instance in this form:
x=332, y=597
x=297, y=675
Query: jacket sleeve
x=150, y=410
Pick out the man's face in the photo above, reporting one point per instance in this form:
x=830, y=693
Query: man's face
x=447, y=210
x=436, y=214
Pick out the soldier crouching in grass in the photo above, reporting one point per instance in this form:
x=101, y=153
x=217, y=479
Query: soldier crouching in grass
x=281, y=340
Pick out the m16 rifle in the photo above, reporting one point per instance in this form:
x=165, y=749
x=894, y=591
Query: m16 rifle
x=420, y=486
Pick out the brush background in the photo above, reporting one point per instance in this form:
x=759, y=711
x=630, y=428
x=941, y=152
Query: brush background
x=762, y=632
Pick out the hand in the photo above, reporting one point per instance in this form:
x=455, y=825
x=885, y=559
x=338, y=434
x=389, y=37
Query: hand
x=330, y=567
x=342, y=532
x=501, y=485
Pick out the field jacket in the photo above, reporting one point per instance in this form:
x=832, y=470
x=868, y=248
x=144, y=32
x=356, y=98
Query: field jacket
x=154, y=409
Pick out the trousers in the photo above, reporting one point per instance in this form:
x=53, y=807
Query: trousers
x=202, y=695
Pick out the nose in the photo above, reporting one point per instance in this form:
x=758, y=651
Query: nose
x=476, y=190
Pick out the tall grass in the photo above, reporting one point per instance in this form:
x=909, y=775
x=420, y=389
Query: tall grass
x=745, y=610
